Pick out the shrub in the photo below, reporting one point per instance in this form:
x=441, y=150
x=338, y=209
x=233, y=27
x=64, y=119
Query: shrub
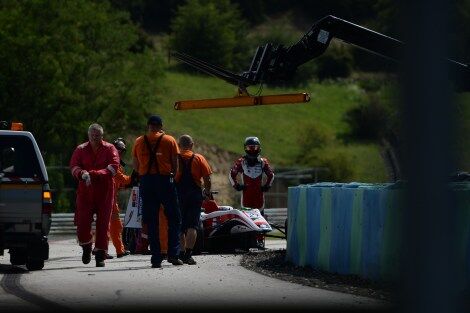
x=339, y=166
x=317, y=150
x=277, y=31
x=369, y=121
x=313, y=137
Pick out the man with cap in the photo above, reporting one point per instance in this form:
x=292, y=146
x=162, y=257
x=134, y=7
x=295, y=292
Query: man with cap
x=94, y=164
x=155, y=158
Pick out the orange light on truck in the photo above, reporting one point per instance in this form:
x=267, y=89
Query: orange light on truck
x=46, y=196
x=16, y=126
x=47, y=206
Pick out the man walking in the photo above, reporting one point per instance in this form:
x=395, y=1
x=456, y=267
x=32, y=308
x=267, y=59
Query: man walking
x=155, y=158
x=94, y=164
x=192, y=167
x=121, y=181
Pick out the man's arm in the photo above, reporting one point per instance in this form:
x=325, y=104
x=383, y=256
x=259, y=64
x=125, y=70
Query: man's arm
x=175, y=151
x=174, y=164
x=75, y=165
x=135, y=159
x=207, y=185
x=269, y=175
x=135, y=163
x=236, y=168
x=121, y=178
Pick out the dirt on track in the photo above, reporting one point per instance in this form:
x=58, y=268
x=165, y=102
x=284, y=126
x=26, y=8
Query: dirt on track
x=272, y=263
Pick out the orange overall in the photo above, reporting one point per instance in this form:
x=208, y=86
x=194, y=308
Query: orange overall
x=142, y=244
x=115, y=227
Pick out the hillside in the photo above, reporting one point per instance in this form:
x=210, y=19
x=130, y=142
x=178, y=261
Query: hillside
x=219, y=133
x=279, y=127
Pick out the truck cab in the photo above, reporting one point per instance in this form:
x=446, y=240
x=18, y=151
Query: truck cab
x=25, y=198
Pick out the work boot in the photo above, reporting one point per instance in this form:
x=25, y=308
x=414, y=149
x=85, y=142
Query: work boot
x=175, y=261
x=157, y=265
x=86, y=256
x=120, y=255
x=108, y=256
x=189, y=261
x=187, y=257
x=100, y=256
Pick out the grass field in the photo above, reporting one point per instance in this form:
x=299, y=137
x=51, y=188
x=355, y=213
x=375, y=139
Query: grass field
x=277, y=126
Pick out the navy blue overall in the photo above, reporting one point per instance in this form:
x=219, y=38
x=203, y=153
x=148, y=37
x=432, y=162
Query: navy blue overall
x=189, y=196
x=156, y=190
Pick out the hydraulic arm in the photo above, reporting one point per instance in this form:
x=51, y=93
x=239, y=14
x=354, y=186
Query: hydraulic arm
x=273, y=63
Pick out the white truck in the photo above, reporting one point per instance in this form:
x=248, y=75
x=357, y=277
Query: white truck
x=25, y=198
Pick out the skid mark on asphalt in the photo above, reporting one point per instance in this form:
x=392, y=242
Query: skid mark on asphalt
x=11, y=284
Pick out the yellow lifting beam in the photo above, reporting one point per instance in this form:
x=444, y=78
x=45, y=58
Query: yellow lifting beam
x=241, y=101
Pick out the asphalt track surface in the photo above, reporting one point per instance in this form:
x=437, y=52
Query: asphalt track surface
x=218, y=282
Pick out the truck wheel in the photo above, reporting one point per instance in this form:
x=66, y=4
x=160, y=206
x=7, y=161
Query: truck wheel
x=18, y=256
x=34, y=264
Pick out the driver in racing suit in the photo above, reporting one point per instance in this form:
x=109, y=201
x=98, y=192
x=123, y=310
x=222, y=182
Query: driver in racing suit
x=252, y=166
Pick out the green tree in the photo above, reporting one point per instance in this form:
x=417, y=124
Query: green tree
x=211, y=30
x=371, y=120
x=318, y=149
x=66, y=64
x=153, y=16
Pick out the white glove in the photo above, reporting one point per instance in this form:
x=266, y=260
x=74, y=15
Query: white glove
x=86, y=178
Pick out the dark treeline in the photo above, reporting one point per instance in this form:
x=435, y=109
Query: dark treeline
x=155, y=16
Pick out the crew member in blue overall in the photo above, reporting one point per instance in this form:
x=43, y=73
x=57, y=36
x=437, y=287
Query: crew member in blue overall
x=155, y=158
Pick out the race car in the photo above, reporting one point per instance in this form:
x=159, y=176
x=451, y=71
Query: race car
x=221, y=229
x=224, y=228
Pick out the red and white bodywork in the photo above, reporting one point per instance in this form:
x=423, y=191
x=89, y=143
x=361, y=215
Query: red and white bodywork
x=224, y=227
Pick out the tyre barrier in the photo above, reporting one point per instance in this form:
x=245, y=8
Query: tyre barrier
x=356, y=228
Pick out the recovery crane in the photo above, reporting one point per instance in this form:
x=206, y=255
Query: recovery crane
x=273, y=63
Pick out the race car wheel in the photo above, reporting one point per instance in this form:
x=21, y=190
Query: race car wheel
x=199, y=245
x=129, y=238
x=251, y=242
x=260, y=242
